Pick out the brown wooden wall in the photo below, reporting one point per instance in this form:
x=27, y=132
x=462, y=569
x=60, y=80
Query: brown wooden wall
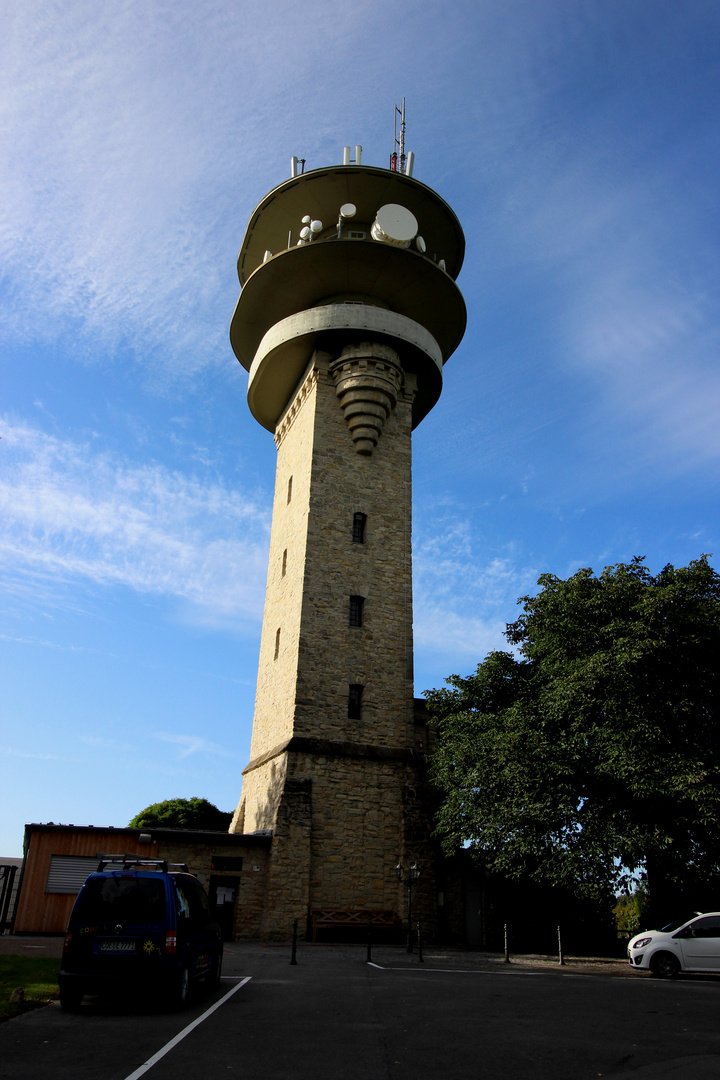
x=40, y=912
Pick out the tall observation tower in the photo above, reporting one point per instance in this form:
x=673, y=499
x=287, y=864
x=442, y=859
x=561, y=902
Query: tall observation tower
x=348, y=311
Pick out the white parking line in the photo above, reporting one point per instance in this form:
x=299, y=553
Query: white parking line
x=185, y=1031
x=461, y=971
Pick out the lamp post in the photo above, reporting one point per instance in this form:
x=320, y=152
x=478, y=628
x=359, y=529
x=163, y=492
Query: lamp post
x=408, y=878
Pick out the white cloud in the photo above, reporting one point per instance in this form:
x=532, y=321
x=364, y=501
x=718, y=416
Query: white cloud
x=456, y=638
x=463, y=599
x=71, y=514
x=10, y=752
x=630, y=277
x=132, y=137
x=654, y=353
x=39, y=641
x=194, y=744
x=107, y=744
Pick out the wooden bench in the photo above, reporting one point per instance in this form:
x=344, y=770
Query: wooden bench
x=335, y=917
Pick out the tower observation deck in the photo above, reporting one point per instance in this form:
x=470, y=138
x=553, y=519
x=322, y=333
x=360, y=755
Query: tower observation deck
x=354, y=278
x=347, y=314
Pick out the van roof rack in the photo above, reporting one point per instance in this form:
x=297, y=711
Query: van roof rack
x=124, y=862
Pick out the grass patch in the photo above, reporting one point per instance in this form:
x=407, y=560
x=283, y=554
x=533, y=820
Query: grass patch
x=37, y=977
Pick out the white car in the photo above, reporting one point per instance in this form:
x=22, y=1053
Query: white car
x=690, y=944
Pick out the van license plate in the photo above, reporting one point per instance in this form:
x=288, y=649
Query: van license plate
x=117, y=946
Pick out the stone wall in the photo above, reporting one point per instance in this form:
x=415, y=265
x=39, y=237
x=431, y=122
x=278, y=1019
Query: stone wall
x=347, y=815
x=199, y=853
x=309, y=654
x=345, y=798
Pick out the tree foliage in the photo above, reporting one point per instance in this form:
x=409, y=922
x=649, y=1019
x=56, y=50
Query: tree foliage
x=594, y=752
x=629, y=912
x=182, y=814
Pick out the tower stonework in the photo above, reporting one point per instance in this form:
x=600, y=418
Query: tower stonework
x=344, y=335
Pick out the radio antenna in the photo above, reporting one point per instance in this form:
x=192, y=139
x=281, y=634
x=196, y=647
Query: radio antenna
x=397, y=158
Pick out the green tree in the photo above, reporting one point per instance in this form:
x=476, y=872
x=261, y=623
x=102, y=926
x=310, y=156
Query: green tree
x=182, y=814
x=594, y=753
x=629, y=912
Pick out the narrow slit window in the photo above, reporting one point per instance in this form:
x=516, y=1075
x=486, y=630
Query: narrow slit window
x=289, y=497
x=354, y=701
x=284, y=563
x=277, y=643
x=358, y=529
x=356, y=610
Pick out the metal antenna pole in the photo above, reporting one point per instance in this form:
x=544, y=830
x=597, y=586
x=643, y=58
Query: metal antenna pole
x=402, y=138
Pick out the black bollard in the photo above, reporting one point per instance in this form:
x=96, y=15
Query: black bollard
x=293, y=956
x=561, y=958
x=507, y=955
x=369, y=941
x=420, y=955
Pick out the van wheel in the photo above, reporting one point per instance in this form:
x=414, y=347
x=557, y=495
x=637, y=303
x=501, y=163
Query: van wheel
x=181, y=990
x=664, y=966
x=70, y=999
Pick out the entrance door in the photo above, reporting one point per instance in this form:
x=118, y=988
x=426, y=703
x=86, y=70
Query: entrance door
x=473, y=911
x=223, y=892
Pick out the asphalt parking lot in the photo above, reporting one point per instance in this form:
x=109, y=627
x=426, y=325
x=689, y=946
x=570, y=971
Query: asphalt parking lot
x=333, y=1016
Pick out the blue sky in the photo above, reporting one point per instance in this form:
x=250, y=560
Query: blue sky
x=578, y=143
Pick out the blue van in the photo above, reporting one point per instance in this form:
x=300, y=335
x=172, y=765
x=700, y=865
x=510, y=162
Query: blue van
x=139, y=924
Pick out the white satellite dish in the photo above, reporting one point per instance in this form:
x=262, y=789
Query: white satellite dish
x=305, y=233
x=420, y=244
x=348, y=210
x=394, y=224
x=315, y=227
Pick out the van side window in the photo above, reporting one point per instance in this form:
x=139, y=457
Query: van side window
x=204, y=903
x=183, y=902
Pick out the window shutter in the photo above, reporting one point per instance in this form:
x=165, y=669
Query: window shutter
x=68, y=872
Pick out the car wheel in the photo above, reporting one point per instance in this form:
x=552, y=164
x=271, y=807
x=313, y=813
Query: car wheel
x=70, y=998
x=181, y=989
x=213, y=976
x=664, y=965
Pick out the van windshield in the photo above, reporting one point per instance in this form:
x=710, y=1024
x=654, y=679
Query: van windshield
x=122, y=900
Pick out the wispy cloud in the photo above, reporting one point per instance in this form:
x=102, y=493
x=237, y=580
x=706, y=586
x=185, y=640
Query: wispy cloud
x=463, y=600
x=11, y=752
x=194, y=744
x=456, y=639
x=654, y=354
x=72, y=514
x=630, y=284
x=107, y=744
x=40, y=642
x=128, y=139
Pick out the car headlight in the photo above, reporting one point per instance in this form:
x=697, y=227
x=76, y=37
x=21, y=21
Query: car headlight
x=641, y=943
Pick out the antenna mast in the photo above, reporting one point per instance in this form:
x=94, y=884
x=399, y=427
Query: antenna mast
x=397, y=158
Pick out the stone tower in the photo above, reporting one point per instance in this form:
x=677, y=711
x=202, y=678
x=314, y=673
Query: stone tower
x=348, y=311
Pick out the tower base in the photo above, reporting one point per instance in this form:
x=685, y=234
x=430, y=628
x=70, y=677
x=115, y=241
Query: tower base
x=346, y=814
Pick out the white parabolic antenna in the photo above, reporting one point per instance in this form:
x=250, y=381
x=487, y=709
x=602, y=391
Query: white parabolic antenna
x=394, y=224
